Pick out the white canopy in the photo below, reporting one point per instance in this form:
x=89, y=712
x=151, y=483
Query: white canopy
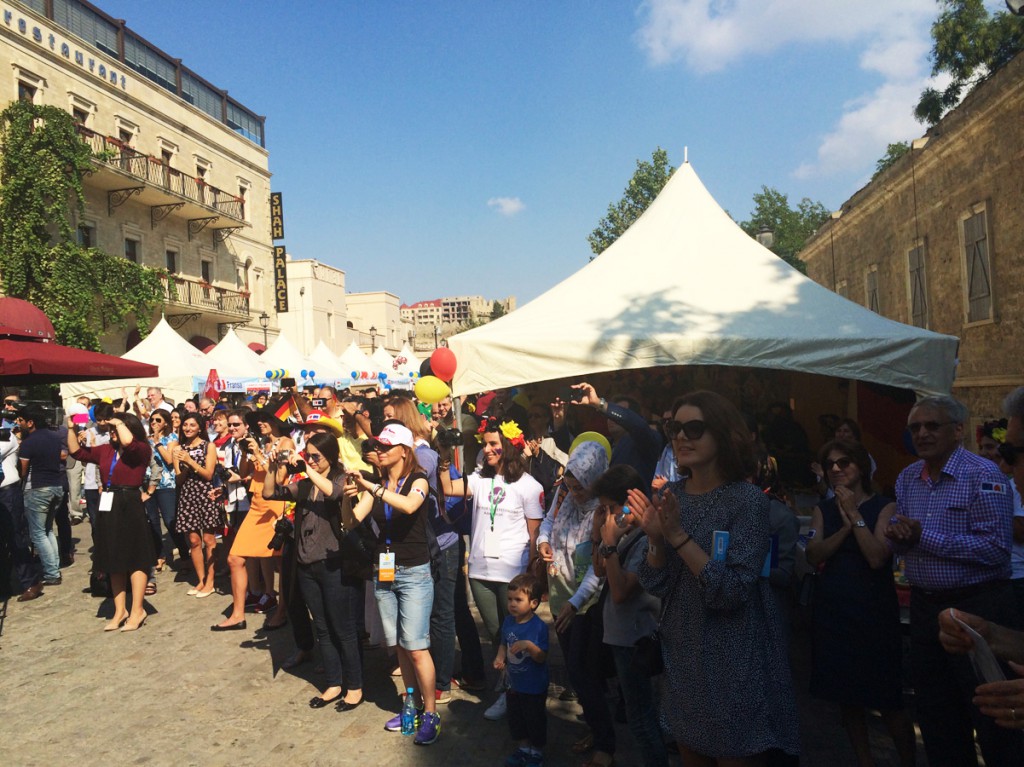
x=355, y=359
x=382, y=361
x=232, y=358
x=325, y=363
x=412, y=362
x=283, y=354
x=686, y=286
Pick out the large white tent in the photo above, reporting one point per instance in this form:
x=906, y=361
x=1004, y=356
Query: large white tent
x=282, y=354
x=232, y=358
x=325, y=363
x=686, y=286
x=382, y=361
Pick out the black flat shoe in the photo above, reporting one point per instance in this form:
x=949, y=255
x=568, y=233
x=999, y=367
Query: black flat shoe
x=268, y=626
x=344, y=706
x=240, y=626
x=319, y=702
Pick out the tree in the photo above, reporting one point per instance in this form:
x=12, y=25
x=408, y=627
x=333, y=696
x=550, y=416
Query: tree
x=969, y=44
x=892, y=153
x=644, y=186
x=82, y=290
x=790, y=228
x=497, y=310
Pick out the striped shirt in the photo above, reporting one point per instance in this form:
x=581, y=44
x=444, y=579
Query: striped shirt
x=966, y=522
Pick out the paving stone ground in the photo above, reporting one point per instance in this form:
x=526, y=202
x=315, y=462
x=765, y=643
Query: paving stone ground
x=174, y=693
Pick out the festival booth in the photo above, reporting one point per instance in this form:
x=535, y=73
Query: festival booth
x=686, y=299
x=283, y=357
x=238, y=367
x=407, y=363
x=357, y=366
x=327, y=366
x=179, y=363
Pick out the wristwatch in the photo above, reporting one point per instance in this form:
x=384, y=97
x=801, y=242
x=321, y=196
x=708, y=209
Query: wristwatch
x=860, y=523
x=607, y=551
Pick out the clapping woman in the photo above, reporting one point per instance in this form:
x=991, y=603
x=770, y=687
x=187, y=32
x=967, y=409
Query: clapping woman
x=198, y=515
x=728, y=695
x=123, y=542
x=856, y=619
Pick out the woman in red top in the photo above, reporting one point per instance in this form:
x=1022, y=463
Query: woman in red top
x=123, y=542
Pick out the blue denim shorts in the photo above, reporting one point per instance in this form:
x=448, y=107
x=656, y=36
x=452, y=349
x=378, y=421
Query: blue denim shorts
x=405, y=606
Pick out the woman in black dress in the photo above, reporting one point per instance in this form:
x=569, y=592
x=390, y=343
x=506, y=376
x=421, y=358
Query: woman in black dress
x=198, y=514
x=856, y=622
x=123, y=542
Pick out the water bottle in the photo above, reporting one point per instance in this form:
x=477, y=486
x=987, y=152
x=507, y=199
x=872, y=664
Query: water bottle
x=622, y=517
x=409, y=713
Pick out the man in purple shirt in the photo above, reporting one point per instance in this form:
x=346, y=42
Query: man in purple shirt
x=39, y=462
x=954, y=527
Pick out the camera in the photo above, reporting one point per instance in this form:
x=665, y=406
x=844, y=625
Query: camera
x=569, y=394
x=223, y=473
x=448, y=437
x=284, y=455
x=297, y=468
x=283, y=528
x=260, y=441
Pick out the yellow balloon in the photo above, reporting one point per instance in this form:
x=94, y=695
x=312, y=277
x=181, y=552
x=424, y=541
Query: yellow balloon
x=592, y=436
x=431, y=389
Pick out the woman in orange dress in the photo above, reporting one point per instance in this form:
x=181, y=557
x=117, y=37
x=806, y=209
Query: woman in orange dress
x=249, y=553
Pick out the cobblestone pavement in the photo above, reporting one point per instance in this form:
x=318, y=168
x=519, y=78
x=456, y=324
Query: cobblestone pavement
x=175, y=693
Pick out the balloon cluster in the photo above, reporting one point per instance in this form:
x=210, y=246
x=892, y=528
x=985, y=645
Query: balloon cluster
x=307, y=373
x=441, y=367
x=277, y=374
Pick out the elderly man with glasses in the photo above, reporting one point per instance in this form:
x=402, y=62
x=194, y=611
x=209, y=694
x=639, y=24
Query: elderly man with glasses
x=954, y=528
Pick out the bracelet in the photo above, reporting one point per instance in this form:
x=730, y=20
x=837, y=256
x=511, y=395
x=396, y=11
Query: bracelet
x=686, y=540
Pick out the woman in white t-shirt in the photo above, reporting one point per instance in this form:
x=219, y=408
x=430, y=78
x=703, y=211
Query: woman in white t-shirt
x=508, y=506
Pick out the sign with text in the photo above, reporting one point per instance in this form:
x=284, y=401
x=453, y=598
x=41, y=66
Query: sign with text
x=276, y=216
x=280, y=279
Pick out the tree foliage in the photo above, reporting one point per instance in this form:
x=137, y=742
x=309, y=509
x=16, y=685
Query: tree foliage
x=893, y=152
x=644, y=186
x=83, y=291
x=969, y=44
x=790, y=228
x=497, y=310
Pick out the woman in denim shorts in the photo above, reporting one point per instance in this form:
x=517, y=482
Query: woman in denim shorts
x=403, y=584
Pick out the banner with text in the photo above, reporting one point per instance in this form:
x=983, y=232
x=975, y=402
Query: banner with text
x=280, y=279
x=276, y=216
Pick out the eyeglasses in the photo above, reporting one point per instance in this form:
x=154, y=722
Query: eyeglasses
x=157, y=420
x=692, y=430
x=1009, y=452
x=10, y=402
x=932, y=426
x=842, y=464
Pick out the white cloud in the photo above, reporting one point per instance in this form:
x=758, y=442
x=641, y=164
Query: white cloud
x=506, y=206
x=708, y=35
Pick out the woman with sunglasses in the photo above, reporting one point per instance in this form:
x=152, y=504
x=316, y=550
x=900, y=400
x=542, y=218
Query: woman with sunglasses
x=198, y=515
x=857, y=647
x=124, y=543
x=403, y=583
x=332, y=591
x=722, y=639
x=161, y=495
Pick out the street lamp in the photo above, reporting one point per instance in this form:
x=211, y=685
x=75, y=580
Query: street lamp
x=264, y=322
x=437, y=329
x=373, y=339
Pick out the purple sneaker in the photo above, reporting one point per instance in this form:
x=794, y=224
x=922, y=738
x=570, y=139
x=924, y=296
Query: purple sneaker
x=429, y=730
x=394, y=724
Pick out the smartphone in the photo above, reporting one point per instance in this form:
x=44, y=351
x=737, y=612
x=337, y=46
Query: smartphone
x=287, y=383
x=568, y=394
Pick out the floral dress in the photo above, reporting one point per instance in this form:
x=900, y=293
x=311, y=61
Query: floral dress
x=196, y=510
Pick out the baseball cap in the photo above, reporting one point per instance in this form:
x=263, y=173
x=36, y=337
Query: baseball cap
x=395, y=434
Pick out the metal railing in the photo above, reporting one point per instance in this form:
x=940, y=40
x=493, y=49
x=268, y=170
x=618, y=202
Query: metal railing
x=180, y=291
x=154, y=170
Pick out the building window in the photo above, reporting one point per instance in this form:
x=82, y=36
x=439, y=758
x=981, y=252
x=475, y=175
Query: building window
x=26, y=92
x=86, y=235
x=842, y=289
x=978, y=267
x=871, y=290
x=205, y=267
x=918, y=287
x=131, y=250
x=172, y=261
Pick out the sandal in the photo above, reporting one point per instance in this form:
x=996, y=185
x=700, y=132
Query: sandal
x=150, y=588
x=584, y=744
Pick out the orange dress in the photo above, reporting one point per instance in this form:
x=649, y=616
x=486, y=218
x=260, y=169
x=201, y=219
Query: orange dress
x=257, y=528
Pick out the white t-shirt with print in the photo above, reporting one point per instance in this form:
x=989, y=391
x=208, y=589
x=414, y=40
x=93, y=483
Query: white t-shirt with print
x=512, y=504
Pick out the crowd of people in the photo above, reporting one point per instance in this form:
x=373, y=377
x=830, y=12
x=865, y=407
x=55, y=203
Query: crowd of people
x=665, y=552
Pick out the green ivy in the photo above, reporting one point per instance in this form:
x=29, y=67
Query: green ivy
x=83, y=291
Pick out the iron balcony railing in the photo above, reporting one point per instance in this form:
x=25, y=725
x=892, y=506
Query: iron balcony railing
x=201, y=296
x=154, y=170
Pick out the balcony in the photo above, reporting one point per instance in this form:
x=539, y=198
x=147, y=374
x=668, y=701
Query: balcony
x=124, y=173
x=191, y=297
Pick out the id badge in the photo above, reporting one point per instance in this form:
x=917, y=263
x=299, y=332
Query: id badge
x=386, y=567
x=492, y=545
x=106, y=501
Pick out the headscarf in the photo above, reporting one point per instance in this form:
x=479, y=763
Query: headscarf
x=573, y=524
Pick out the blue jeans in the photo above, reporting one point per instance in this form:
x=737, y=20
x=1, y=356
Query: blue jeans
x=405, y=604
x=335, y=603
x=162, y=504
x=40, y=506
x=641, y=709
x=442, y=619
x=14, y=531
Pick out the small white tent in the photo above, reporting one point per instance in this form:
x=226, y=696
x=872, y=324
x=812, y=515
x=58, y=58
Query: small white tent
x=412, y=362
x=383, y=362
x=283, y=354
x=686, y=286
x=232, y=358
x=355, y=360
x=325, y=363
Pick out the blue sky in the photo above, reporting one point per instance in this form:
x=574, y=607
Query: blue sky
x=452, y=148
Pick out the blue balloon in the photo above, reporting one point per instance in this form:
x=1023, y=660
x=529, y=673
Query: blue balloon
x=312, y=374
x=354, y=374
x=382, y=375
x=302, y=374
x=270, y=374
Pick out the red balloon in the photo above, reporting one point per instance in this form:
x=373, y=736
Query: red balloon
x=443, y=363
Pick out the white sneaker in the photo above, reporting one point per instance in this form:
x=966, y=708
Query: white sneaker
x=497, y=710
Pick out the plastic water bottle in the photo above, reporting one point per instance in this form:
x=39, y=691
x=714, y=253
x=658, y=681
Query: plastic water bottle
x=409, y=713
x=622, y=518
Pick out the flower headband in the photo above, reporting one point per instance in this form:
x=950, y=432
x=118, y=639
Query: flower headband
x=994, y=429
x=508, y=429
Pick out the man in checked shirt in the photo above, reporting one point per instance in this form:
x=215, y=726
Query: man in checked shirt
x=954, y=527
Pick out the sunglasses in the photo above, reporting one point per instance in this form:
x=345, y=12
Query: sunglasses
x=842, y=464
x=157, y=420
x=692, y=430
x=931, y=426
x=234, y=425
x=1009, y=452
x=312, y=457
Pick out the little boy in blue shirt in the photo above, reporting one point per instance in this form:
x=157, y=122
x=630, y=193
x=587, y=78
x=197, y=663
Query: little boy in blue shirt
x=524, y=652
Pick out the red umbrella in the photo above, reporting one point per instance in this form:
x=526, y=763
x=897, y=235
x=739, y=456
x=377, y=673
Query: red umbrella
x=28, y=354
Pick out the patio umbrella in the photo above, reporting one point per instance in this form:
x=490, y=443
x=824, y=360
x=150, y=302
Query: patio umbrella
x=29, y=355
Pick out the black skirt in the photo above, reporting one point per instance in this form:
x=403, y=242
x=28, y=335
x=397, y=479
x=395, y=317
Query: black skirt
x=123, y=539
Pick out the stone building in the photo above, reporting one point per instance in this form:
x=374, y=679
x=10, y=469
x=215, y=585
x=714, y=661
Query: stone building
x=180, y=175
x=937, y=240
